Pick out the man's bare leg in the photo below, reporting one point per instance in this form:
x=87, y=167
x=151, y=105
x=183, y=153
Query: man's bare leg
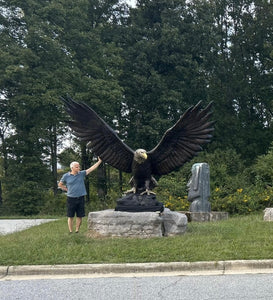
x=78, y=223
x=70, y=224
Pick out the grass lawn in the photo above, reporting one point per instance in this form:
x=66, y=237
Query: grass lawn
x=240, y=237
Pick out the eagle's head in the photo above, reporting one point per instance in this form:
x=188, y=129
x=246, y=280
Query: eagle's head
x=140, y=156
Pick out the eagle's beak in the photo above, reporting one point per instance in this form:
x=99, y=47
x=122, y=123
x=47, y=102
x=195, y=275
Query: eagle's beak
x=144, y=155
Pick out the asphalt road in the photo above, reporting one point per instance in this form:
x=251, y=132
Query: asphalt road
x=228, y=287
x=9, y=226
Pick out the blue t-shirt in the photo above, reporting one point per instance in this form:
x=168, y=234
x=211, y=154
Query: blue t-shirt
x=75, y=184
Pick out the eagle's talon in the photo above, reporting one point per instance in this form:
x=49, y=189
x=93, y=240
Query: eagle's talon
x=148, y=192
x=132, y=190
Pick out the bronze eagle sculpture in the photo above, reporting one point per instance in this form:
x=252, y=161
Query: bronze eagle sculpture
x=179, y=144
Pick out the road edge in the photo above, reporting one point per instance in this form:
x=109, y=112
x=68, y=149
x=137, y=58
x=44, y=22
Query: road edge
x=143, y=269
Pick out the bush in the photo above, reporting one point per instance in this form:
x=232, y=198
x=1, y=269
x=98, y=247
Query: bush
x=27, y=199
x=243, y=201
x=235, y=188
x=107, y=202
x=262, y=170
x=54, y=205
x=227, y=175
x=172, y=192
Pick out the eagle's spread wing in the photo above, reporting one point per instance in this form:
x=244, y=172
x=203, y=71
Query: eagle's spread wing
x=182, y=141
x=106, y=144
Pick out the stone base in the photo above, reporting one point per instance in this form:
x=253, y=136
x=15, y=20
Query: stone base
x=268, y=214
x=174, y=223
x=206, y=216
x=110, y=223
x=139, y=203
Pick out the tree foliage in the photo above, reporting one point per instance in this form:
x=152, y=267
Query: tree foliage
x=139, y=68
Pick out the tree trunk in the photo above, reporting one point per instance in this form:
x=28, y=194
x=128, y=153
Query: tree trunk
x=85, y=165
x=102, y=187
x=53, y=146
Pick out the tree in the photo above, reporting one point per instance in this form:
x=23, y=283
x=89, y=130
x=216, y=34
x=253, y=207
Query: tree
x=240, y=75
x=97, y=61
x=163, y=73
x=139, y=69
x=53, y=48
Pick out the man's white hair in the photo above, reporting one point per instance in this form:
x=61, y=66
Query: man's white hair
x=73, y=164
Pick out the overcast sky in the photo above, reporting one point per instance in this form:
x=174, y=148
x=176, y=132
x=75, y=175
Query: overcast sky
x=131, y=2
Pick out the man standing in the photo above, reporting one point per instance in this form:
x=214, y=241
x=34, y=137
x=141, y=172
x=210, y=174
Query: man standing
x=73, y=183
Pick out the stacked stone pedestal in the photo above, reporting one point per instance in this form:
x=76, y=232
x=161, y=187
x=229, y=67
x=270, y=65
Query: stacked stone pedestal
x=110, y=223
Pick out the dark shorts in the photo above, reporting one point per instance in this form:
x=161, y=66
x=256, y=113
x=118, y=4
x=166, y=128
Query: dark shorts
x=75, y=205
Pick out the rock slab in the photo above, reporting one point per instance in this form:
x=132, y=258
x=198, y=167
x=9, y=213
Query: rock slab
x=268, y=214
x=174, y=223
x=206, y=216
x=110, y=223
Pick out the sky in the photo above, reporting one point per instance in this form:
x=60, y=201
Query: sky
x=131, y=2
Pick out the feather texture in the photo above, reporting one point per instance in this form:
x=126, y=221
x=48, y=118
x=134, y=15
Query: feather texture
x=183, y=141
x=178, y=145
x=89, y=127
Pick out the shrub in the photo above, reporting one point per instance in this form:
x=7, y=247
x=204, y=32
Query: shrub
x=172, y=191
x=226, y=177
x=98, y=203
x=26, y=199
x=262, y=170
x=242, y=201
x=54, y=205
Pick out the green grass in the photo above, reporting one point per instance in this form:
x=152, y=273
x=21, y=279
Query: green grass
x=242, y=237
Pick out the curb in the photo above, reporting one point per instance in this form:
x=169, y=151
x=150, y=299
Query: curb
x=175, y=268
